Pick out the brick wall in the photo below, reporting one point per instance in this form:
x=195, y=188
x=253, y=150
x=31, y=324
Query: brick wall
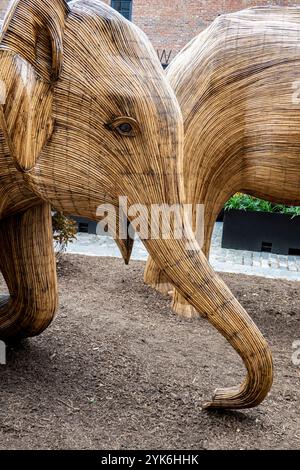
x=170, y=24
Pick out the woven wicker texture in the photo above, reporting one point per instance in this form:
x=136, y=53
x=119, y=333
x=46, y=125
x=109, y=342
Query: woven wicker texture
x=238, y=85
x=73, y=78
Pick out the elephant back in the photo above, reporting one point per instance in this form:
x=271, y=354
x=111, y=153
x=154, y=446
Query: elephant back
x=238, y=85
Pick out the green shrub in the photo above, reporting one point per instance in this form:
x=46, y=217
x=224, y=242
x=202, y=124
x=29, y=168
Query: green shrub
x=64, y=231
x=252, y=204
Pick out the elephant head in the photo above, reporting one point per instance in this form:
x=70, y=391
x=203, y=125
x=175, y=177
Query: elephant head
x=89, y=117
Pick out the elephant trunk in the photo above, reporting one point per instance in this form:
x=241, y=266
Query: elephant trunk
x=191, y=273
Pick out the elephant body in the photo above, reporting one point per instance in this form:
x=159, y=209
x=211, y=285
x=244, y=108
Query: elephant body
x=238, y=85
x=89, y=116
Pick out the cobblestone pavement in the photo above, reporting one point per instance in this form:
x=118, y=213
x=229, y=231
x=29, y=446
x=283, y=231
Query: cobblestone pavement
x=224, y=260
x=252, y=262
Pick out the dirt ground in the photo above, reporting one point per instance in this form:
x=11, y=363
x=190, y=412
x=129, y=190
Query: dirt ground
x=118, y=370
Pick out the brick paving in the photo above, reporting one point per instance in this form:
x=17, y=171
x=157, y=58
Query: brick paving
x=252, y=262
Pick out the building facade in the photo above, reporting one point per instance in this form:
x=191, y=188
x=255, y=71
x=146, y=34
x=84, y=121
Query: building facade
x=170, y=24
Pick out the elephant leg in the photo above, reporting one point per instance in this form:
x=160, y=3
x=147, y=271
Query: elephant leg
x=27, y=262
x=155, y=277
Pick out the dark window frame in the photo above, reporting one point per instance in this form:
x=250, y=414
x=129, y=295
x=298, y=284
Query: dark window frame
x=125, y=11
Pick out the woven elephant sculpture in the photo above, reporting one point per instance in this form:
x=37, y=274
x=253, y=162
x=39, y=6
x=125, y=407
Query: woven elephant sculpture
x=238, y=86
x=88, y=117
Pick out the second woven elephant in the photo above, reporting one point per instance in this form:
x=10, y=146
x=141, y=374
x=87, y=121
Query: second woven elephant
x=238, y=85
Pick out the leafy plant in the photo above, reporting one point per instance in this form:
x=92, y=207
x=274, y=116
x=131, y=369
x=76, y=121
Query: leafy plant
x=245, y=202
x=64, y=231
x=294, y=211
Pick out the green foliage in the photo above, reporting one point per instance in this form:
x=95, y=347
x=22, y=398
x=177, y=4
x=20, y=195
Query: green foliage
x=252, y=204
x=294, y=211
x=64, y=231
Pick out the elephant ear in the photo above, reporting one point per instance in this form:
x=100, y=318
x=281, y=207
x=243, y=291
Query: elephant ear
x=31, y=51
x=34, y=29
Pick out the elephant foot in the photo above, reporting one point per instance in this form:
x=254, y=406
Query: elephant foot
x=27, y=262
x=155, y=278
x=162, y=287
x=182, y=308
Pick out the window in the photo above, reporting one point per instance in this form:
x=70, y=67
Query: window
x=124, y=7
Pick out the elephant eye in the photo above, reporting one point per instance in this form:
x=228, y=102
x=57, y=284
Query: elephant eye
x=125, y=126
x=125, y=129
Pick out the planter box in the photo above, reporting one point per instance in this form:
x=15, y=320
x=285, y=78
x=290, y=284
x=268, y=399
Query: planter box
x=85, y=225
x=88, y=226
x=261, y=231
x=220, y=217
